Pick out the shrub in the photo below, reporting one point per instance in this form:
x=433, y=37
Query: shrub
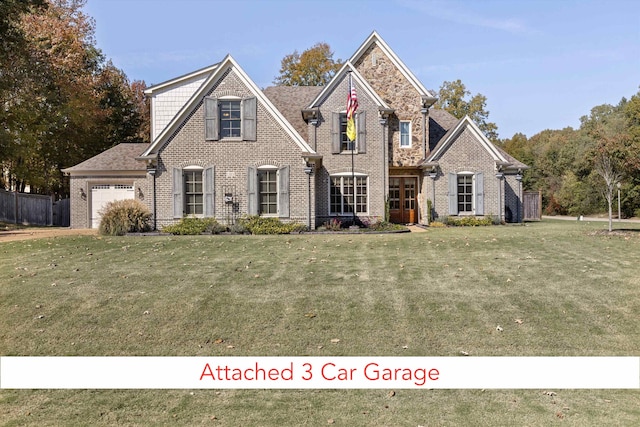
x=385, y=226
x=468, y=221
x=124, y=216
x=333, y=225
x=256, y=224
x=193, y=226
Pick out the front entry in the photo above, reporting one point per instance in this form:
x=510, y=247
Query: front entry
x=403, y=208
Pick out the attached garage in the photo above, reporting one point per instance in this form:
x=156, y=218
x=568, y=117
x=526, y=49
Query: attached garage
x=112, y=175
x=101, y=194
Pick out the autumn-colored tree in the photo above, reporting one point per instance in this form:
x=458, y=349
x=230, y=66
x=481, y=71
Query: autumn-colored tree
x=453, y=97
x=314, y=67
x=70, y=103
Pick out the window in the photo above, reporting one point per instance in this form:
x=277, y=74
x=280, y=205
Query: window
x=405, y=134
x=345, y=144
x=466, y=193
x=343, y=197
x=268, y=190
x=268, y=195
x=230, y=119
x=193, y=190
x=339, y=141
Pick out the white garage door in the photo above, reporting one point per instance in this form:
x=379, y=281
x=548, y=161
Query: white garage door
x=101, y=194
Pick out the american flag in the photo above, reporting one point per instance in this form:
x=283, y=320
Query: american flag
x=352, y=100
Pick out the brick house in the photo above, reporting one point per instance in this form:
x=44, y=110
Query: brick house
x=223, y=148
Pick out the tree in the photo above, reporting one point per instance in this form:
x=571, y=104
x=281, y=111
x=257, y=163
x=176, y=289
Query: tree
x=68, y=105
x=314, y=67
x=613, y=155
x=452, y=97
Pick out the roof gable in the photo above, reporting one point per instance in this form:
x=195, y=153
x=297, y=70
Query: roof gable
x=452, y=135
x=228, y=63
x=375, y=38
x=360, y=83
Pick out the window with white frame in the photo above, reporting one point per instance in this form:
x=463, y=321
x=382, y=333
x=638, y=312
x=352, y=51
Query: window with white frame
x=230, y=118
x=344, y=196
x=405, y=134
x=345, y=144
x=193, y=192
x=465, y=193
x=268, y=191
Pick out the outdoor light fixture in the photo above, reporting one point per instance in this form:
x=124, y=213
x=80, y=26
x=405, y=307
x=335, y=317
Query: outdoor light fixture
x=83, y=195
x=140, y=194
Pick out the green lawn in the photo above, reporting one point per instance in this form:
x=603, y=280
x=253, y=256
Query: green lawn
x=574, y=290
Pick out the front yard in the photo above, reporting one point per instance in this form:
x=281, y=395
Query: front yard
x=554, y=288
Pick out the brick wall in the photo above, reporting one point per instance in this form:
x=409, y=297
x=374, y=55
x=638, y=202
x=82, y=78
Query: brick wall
x=81, y=206
x=369, y=163
x=466, y=154
x=231, y=158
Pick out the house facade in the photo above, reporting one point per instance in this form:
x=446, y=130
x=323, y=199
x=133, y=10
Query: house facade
x=221, y=147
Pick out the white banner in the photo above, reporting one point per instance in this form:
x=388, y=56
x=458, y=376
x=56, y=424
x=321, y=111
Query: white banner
x=319, y=372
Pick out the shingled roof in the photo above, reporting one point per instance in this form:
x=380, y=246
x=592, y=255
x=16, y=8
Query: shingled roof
x=290, y=100
x=122, y=157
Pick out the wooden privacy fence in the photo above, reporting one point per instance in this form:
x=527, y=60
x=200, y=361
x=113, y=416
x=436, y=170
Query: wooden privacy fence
x=532, y=201
x=33, y=209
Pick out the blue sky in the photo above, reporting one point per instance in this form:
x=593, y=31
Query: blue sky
x=541, y=64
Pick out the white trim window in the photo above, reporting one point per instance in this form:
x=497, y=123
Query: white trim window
x=230, y=118
x=343, y=196
x=466, y=193
x=193, y=191
x=405, y=134
x=268, y=191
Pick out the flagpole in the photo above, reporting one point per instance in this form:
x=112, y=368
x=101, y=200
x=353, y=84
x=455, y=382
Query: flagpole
x=353, y=171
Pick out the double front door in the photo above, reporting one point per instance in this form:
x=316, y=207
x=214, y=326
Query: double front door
x=403, y=206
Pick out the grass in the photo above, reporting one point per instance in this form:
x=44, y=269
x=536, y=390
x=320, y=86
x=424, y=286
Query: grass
x=439, y=293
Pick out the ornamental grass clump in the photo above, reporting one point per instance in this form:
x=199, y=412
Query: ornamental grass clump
x=124, y=216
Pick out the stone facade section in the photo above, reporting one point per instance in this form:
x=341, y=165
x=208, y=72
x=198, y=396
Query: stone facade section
x=394, y=88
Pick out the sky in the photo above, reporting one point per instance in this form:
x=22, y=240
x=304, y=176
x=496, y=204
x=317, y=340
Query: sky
x=541, y=64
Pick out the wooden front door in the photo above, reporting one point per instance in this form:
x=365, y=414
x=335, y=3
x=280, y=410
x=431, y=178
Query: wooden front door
x=403, y=206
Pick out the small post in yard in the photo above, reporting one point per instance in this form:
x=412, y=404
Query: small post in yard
x=619, y=211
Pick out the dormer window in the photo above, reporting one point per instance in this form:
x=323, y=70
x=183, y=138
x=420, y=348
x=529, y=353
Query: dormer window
x=230, y=118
